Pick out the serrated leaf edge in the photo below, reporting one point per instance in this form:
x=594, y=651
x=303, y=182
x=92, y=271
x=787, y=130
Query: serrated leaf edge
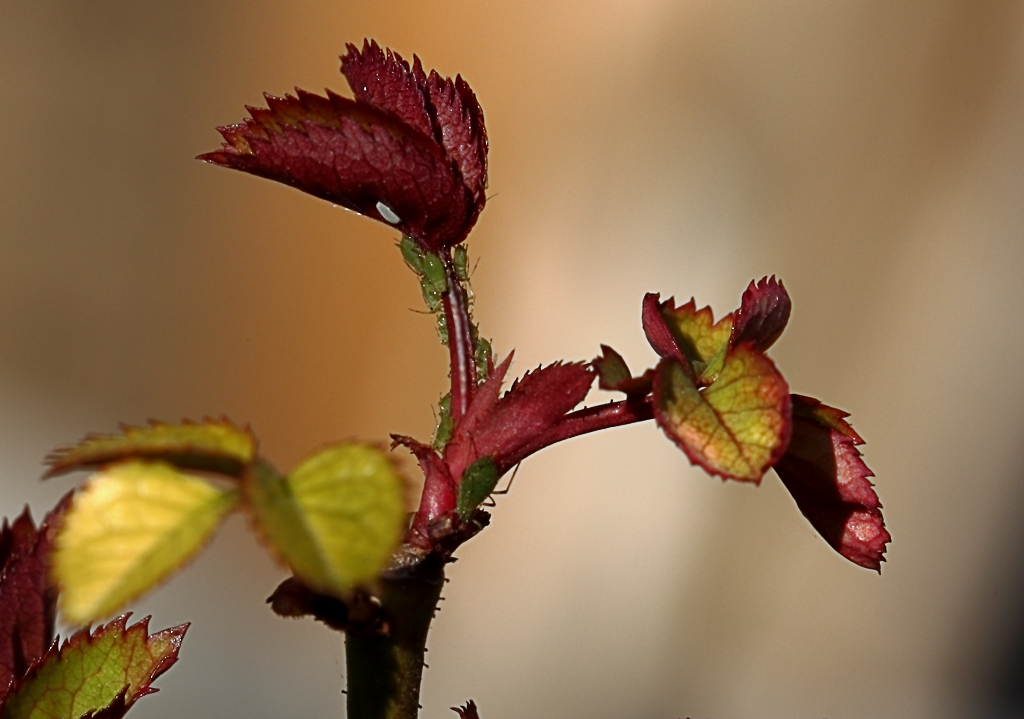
x=58, y=463
x=85, y=634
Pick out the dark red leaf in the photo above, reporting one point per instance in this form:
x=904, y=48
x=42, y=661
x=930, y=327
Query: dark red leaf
x=763, y=314
x=531, y=408
x=437, y=107
x=461, y=450
x=382, y=79
x=659, y=334
x=27, y=602
x=468, y=711
x=824, y=472
x=410, y=150
x=460, y=122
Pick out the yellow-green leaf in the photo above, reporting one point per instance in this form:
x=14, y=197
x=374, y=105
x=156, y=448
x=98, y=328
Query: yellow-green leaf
x=126, y=530
x=90, y=671
x=214, y=445
x=737, y=427
x=336, y=518
x=702, y=340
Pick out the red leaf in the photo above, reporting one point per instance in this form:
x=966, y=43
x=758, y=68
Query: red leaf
x=824, y=472
x=410, y=150
x=27, y=603
x=462, y=450
x=460, y=122
x=439, y=488
x=382, y=79
x=531, y=408
x=763, y=314
x=659, y=334
x=435, y=106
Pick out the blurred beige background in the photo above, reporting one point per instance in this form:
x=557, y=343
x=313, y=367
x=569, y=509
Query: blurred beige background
x=869, y=153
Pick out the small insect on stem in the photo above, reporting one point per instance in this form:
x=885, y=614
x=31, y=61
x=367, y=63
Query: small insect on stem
x=445, y=424
x=461, y=260
x=478, y=481
x=433, y=281
x=428, y=267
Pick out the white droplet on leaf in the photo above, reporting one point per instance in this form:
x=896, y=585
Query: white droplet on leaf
x=387, y=214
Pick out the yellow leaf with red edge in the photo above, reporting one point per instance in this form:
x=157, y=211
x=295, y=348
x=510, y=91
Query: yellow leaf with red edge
x=127, y=530
x=738, y=426
x=703, y=341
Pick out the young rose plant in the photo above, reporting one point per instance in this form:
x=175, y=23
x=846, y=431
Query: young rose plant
x=410, y=150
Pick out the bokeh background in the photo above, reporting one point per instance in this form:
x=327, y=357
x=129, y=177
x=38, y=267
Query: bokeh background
x=869, y=153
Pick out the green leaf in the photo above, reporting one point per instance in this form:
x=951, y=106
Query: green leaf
x=213, y=445
x=336, y=518
x=737, y=427
x=89, y=671
x=130, y=527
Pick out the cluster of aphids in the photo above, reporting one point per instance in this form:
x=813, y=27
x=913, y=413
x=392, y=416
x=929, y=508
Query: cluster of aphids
x=433, y=284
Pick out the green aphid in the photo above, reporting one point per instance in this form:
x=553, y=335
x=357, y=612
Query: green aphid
x=482, y=356
x=445, y=423
x=478, y=481
x=433, y=281
x=412, y=254
x=461, y=260
x=442, y=328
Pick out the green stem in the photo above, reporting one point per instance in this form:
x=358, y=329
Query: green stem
x=385, y=662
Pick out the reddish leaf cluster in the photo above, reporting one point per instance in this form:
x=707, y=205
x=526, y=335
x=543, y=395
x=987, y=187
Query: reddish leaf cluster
x=410, y=150
x=814, y=451
x=505, y=428
x=690, y=340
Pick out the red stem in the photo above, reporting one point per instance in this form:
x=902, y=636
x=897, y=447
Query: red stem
x=584, y=421
x=460, y=341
